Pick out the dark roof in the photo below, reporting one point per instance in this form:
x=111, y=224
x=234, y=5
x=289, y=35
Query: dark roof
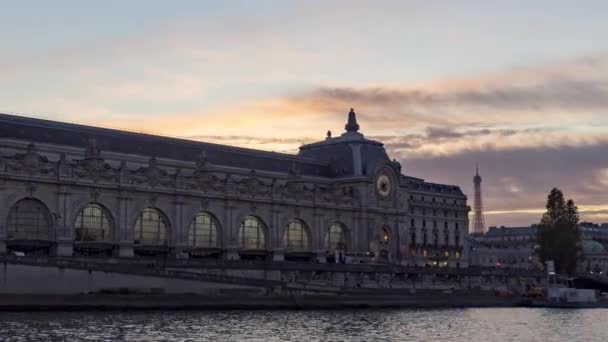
x=60, y=133
x=511, y=231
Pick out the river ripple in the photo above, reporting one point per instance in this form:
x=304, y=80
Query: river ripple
x=469, y=325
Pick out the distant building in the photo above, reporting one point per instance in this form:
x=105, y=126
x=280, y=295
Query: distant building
x=514, y=247
x=505, y=247
x=74, y=190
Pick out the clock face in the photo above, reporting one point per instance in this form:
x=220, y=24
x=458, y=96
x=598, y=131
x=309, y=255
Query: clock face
x=383, y=185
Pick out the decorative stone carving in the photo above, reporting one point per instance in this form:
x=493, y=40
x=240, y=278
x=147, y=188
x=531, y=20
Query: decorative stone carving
x=30, y=162
x=93, y=165
x=64, y=169
x=124, y=173
x=152, y=175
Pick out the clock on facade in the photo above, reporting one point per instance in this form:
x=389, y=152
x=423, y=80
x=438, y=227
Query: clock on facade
x=383, y=185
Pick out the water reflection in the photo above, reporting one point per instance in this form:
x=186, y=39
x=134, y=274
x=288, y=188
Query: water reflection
x=309, y=326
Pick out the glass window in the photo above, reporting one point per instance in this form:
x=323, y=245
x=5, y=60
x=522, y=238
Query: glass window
x=93, y=223
x=203, y=231
x=336, y=237
x=252, y=233
x=29, y=219
x=296, y=236
x=151, y=227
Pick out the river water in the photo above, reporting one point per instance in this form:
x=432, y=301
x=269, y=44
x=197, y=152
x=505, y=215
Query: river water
x=518, y=324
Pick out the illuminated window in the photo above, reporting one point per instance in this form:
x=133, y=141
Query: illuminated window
x=336, y=237
x=296, y=236
x=384, y=236
x=203, y=231
x=29, y=219
x=151, y=227
x=93, y=223
x=252, y=233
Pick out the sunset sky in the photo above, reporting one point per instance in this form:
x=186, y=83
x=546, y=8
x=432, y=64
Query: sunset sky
x=519, y=86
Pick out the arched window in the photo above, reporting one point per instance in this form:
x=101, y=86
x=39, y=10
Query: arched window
x=336, y=237
x=252, y=233
x=203, y=231
x=29, y=219
x=151, y=227
x=296, y=236
x=93, y=223
x=384, y=236
x=413, y=238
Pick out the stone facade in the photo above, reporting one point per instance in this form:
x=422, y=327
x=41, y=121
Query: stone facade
x=514, y=247
x=68, y=189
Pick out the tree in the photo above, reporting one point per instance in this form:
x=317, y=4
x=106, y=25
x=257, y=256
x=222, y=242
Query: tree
x=558, y=236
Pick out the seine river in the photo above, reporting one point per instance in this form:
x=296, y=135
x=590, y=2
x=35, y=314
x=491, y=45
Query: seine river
x=308, y=326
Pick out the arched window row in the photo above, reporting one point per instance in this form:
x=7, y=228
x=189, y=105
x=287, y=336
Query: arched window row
x=30, y=219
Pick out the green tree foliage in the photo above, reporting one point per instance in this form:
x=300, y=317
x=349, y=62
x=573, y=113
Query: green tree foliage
x=558, y=236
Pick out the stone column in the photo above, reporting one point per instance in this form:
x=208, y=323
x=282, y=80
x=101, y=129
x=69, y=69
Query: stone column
x=401, y=239
x=179, y=231
x=278, y=253
x=63, y=228
x=232, y=233
x=319, y=235
x=124, y=233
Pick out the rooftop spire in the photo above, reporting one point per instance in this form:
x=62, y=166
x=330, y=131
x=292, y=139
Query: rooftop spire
x=351, y=125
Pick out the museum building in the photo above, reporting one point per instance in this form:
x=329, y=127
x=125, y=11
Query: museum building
x=74, y=190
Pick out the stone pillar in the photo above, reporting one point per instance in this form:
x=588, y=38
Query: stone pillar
x=63, y=226
x=276, y=240
x=401, y=238
x=231, y=241
x=318, y=237
x=124, y=233
x=179, y=231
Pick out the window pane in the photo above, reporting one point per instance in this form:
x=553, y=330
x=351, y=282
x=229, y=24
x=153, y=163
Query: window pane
x=336, y=237
x=29, y=219
x=150, y=227
x=251, y=233
x=296, y=236
x=93, y=224
x=203, y=231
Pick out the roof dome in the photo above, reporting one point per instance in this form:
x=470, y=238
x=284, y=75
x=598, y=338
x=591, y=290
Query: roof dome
x=592, y=246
